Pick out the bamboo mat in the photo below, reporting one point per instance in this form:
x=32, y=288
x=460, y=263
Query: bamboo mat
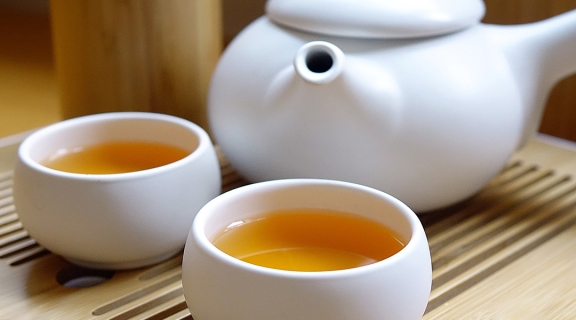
x=507, y=253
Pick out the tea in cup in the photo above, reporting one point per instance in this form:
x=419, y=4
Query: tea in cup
x=306, y=249
x=308, y=239
x=115, y=190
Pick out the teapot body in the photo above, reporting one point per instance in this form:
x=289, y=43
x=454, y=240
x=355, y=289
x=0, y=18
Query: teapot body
x=428, y=120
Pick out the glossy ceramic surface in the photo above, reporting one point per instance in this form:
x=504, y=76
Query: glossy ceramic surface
x=429, y=120
x=218, y=286
x=115, y=221
x=376, y=19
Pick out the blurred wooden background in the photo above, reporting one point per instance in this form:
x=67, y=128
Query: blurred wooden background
x=26, y=59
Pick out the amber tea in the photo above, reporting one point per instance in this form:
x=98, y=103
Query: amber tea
x=309, y=240
x=114, y=157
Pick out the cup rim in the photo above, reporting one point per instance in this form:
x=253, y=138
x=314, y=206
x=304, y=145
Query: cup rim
x=204, y=143
x=201, y=240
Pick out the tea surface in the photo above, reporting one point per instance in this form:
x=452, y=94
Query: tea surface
x=309, y=240
x=114, y=157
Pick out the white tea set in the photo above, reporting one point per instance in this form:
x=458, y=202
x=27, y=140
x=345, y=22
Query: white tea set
x=415, y=100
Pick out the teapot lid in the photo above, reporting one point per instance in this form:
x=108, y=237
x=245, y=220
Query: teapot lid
x=376, y=18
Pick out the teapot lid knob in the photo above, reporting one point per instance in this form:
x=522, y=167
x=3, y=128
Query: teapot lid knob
x=390, y=19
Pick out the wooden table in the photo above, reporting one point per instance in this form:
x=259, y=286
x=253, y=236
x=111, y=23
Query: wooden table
x=507, y=253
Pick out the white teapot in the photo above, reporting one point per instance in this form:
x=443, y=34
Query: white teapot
x=416, y=98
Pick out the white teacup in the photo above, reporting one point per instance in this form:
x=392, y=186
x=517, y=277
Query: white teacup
x=218, y=286
x=121, y=220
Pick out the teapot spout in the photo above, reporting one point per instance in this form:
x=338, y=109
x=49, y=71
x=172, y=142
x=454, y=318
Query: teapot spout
x=539, y=54
x=319, y=62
